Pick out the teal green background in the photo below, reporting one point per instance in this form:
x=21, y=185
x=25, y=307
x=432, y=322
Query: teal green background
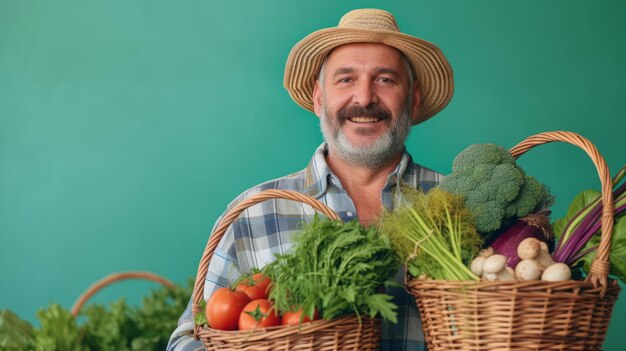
x=126, y=127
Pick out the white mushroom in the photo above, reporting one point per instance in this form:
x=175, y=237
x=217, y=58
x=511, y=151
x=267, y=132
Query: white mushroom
x=528, y=269
x=506, y=274
x=486, y=252
x=477, y=265
x=531, y=248
x=495, y=268
x=556, y=273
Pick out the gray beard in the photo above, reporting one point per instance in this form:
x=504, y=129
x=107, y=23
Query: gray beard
x=370, y=155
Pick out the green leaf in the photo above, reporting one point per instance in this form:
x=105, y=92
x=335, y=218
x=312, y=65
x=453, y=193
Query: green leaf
x=582, y=200
x=144, y=343
x=109, y=329
x=118, y=327
x=381, y=304
x=331, y=267
x=617, y=255
x=158, y=314
x=58, y=331
x=15, y=334
x=349, y=294
x=200, y=318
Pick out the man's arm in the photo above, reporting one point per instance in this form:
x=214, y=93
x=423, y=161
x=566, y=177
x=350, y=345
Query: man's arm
x=182, y=338
x=223, y=268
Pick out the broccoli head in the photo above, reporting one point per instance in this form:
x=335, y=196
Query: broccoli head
x=494, y=187
x=532, y=196
x=481, y=154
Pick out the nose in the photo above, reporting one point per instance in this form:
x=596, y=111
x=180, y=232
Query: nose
x=364, y=94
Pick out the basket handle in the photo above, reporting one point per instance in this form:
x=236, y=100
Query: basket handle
x=600, y=266
x=112, y=278
x=230, y=217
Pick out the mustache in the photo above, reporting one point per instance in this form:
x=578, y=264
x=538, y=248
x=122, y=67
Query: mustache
x=372, y=110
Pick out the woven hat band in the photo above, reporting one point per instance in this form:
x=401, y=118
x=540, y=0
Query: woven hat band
x=369, y=19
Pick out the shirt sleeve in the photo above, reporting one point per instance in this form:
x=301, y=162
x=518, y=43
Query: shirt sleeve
x=182, y=338
x=223, y=269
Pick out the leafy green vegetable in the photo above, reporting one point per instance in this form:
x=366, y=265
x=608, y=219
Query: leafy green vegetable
x=59, y=331
x=336, y=268
x=158, y=316
x=617, y=256
x=581, y=206
x=119, y=327
x=109, y=329
x=495, y=188
x=200, y=318
x=582, y=200
x=15, y=334
x=578, y=232
x=434, y=234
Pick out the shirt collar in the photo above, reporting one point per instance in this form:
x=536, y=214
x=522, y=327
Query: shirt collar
x=317, y=174
x=400, y=172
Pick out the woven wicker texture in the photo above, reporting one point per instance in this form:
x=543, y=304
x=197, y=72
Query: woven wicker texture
x=529, y=315
x=526, y=315
x=344, y=333
x=113, y=278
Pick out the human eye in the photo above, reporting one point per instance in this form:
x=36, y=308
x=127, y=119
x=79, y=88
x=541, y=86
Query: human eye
x=344, y=79
x=386, y=80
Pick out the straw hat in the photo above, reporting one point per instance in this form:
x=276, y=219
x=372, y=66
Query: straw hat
x=430, y=67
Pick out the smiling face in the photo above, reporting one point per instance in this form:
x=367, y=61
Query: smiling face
x=365, y=103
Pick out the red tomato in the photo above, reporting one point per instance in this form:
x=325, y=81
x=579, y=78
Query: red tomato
x=262, y=281
x=254, y=292
x=224, y=307
x=257, y=314
x=255, y=286
x=293, y=318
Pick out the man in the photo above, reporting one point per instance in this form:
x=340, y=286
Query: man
x=368, y=83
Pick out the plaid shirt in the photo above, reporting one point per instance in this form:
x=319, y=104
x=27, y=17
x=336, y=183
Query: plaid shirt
x=266, y=229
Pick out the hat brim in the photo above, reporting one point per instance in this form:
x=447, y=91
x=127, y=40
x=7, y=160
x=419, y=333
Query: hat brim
x=430, y=67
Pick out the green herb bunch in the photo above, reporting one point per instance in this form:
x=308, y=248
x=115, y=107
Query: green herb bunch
x=335, y=268
x=118, y=327
x=434, y=234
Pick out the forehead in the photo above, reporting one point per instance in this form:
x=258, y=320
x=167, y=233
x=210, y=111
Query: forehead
x=365, y=54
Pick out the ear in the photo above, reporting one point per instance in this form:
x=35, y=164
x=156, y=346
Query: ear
x=416, y=99
x=317, y=98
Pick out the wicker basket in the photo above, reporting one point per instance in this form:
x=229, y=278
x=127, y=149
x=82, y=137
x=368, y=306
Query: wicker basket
x=112, y=278
x=344, y=333
x=525, y=315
